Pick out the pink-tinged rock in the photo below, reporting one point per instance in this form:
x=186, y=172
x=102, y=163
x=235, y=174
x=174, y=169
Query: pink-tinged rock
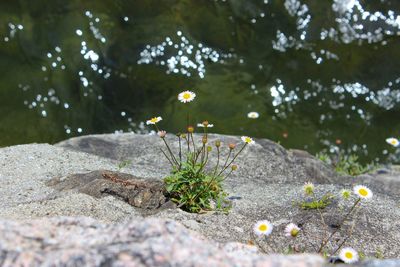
x=80, y=241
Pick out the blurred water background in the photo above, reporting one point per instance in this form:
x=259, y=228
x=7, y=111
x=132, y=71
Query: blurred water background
x=320, y=75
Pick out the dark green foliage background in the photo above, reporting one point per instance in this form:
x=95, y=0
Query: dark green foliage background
x=224, y=95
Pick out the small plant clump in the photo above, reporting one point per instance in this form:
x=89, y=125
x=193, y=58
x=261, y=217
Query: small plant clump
x=193, y=184
x=124, y=164
x=347, y=164
x=312, y=203
x=322, y=203
x=346, y=254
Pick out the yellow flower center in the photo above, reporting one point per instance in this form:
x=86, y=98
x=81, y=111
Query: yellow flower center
x=363, y=192
x=294, y=232
x=263, y=227
x=393, y=142
x=348, y=255
x=154, y=120
x=186, y=96
x=247, y=139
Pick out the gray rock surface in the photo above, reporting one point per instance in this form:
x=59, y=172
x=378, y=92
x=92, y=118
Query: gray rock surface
x=140, y=193
x=379, y=263
x=24, y=171
x=385, y=180
x=267, y=185
x=265, y=160
x=82, y=241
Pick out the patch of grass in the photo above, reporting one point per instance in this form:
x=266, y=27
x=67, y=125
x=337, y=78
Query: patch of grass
x=347, y=164
x=379, y=254
x=123, y=164
x=192, y=189
x=317, y=204
x=324, y=157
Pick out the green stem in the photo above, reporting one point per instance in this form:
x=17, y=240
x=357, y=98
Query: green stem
x=323, y=244
x=227, y=175
x=322, y=219
x=216, y=166
x=169, y=149
x=226, y=161
x=167, y=157
x=187, y=141
x=201, y=151
x=187, y=126
x=194, y=149
x=203, y=164
x=198, y=154
x=347, y=237
x=180, y=152
x=233, y=159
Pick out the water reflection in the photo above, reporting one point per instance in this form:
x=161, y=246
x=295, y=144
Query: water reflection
x=319, y=75
x=179, y=56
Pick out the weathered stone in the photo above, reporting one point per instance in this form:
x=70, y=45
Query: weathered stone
x=141, y=193
x=266, y=186
x=24, y=171
x=321, y=172
x=150, y=242
x=384, y=180
x=379, y=263
x=265, y=160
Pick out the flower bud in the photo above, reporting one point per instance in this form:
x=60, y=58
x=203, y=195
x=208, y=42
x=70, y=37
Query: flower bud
x=190, y=129
x=345, y=194
x=162, y=134
x=217, y=143
x=204, y=140
x=209, y=148
x=232, y=146
x=183, y=136
x=308, y=188
x=234, y=167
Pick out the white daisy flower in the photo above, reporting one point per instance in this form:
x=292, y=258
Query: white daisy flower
x=204, y=124
x=248, y=140
x=363, y=191
x=263, y=228
x=186, y=96
x=291, y=230
x=393, y=141
x=154, y=120
x=308, y=188
x=348, y=255
x=253, y=115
